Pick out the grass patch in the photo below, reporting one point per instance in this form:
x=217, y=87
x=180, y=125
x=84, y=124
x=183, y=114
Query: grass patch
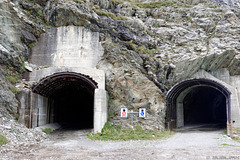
x=31, y=45
x=3, y=140
x=175, y=4
x=155, y=4
x=236, y=139
x=117, y=133
x=13, y=79
x=131, y=45
x=109, y=14
x=16, y=116
x=118, y=1
x=224, y=144
x=140, y=49
x=14, y=90
x=47, y=130
x=78, y=1
x=224, y=132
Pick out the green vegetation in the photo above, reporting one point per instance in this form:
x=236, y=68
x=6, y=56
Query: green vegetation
x=140, y=49
x=3, y=140
x=31, y=45
x=43, y=67
x=147, y=5
x=79, y=1
x=16, y=116
x=13, y=78
x=155, y=4
x=110, y=115
x=144, y=50
x=131, y=45
x=14, y=90
x=224, y=144
x=47, y=130
x=109, y=14
x=117, y=133
x=224, y=132
x=118, y=1
x=39, y=13
x=236, y=139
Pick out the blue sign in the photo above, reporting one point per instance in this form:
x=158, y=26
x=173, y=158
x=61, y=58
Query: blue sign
x=142, y=112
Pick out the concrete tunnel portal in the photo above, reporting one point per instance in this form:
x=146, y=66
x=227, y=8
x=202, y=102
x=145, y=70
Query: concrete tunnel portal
x=198, y=102
x=70, y=99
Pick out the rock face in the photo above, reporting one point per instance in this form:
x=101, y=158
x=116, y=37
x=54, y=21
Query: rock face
x=8, y=102
x=231, y=4
x=11, y=55
x=148, y=47
x=129, y=88
x=11, y=45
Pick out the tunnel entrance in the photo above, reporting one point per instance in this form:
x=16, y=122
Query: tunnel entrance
x=70, y=100
x=205, y=105
x=198, y=102
x=72, y=108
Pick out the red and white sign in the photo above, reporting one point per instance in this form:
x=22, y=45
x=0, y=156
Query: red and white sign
x=124, y=112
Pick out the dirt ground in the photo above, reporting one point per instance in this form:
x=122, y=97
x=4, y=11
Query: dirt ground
x=73, y=145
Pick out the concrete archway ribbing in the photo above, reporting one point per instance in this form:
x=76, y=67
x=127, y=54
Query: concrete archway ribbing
x=48, y=85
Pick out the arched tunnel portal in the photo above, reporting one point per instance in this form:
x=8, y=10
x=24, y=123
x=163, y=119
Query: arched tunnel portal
x=198, y=101
x=70, y=99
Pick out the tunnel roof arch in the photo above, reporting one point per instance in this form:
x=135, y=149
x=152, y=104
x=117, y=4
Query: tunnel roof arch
x=177, y=89
x=50, y=84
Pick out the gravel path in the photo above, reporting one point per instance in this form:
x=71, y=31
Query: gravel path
x=71, y=145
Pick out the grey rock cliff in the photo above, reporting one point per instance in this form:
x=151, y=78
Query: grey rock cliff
x=12, y=53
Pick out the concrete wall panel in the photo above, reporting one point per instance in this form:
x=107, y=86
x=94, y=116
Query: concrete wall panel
x=100, y=109
x=69, y=46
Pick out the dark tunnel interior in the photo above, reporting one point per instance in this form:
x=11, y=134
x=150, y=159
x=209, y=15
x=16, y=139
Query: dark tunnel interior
x=72, y=108
x=205, y=105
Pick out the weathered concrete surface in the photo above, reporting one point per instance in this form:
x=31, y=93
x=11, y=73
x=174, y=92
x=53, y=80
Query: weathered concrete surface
x=69, y=46
x=100, y=109
x=235, y=81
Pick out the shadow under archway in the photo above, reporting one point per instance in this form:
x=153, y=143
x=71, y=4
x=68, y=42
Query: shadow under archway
x=205, y=105
x=72, y=108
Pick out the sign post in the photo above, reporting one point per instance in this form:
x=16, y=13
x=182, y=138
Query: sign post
x=132, y=117
x=141, y=113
